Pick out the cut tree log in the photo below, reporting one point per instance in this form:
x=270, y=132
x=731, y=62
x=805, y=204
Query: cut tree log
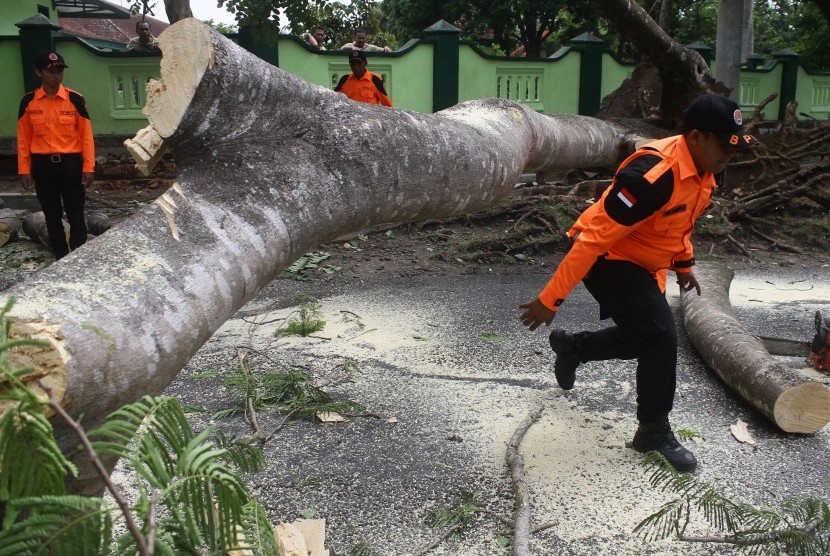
x=9, y=225
x=789, y=399
x=97, y=223
x=270, y=167
x=34, y=226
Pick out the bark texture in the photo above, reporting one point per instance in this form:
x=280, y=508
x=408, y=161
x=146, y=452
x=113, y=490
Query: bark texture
x=789, y=399
x=270, y=167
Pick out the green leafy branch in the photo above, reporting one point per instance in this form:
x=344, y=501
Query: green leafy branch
x=800, y=528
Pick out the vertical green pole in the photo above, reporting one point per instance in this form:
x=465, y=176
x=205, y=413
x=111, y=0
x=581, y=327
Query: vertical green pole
x=35, y=38
x=789, y=78
x=260, y=48
x=590, y=49
x=444, y=38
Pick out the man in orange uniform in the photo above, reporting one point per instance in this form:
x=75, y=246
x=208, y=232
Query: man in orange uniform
x=622, y=247
x=362, y=85
x=55, y=149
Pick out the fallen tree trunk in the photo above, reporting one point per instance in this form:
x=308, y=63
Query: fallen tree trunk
x=9, y=225
x=789, y=399
x=270, y=167
x=34, y=226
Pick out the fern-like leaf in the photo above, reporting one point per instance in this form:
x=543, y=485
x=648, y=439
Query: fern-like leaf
x=245, y=457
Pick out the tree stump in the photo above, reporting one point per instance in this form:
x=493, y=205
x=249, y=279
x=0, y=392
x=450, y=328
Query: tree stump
x=789, y=399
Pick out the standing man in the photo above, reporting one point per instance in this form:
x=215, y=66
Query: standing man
x=362, y=85
x=145, y=41
x=359, y=43
x=55, y=149
x=622, y=246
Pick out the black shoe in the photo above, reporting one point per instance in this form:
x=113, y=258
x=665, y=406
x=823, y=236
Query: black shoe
x=567, y=360
x=666, y=444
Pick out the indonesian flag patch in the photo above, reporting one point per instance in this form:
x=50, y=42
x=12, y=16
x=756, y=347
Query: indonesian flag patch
x=626, y=197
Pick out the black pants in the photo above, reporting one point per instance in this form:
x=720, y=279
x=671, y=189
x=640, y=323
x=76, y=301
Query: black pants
x=644, y=330
x=59, y=187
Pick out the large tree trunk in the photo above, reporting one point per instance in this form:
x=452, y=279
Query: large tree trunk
x=790, y=400
x=177, y=10
x=684, y=73
x=728, y=46
x=270, y=167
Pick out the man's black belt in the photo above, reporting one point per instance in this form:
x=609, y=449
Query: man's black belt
x=56, y=158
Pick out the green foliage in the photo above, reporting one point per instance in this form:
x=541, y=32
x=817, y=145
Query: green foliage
x=304, y=267
x=802, y=527
x=187, y=491
x=284, y=391
x=456, y=517
x=307, y=319
x=686, y=434
x=492, y=337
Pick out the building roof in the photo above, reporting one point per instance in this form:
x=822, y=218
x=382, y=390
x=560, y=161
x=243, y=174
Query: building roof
x=114, y=30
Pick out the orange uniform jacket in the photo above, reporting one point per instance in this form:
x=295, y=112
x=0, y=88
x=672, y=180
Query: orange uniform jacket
x=368, y=88
x=58, y=125
x=646, y=216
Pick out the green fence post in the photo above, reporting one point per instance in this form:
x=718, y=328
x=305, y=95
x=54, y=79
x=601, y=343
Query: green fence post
x=789, y=78
x=444, y=38
x=590, y=49
x=256, y=46
x=35, y=38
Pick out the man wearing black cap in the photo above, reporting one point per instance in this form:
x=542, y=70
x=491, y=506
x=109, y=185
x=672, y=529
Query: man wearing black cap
x=55, y=150
x=362, y=85
x=622, y=247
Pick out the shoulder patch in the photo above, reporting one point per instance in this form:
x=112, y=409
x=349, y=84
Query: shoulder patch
x=632, y=197
x=78, y=101
x=378, y=81
x=24, y=102
x=340, y=83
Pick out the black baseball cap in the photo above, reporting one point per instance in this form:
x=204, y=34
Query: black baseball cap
x=49, y=60
x=720, y=116
x=357, y=55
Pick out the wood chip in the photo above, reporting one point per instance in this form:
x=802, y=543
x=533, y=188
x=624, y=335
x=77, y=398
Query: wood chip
x=741, y=433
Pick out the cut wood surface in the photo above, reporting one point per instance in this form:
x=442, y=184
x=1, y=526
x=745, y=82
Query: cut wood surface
x=791, y=400
x=9, y=225
x=270, y=167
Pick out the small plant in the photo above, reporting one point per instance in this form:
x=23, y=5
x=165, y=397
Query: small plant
x=307, y=320
x=687, y=434
x=290, y=392
x=492, y=337
x=802, y=527
x=458, y=517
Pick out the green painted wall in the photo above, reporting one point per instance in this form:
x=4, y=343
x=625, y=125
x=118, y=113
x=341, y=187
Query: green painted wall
x=12, y=86
x=98, y=77
x=326, y=68
x=813, y=94
x=15, y=11
x=613, y=74
x=545, y=85
x=756, y=85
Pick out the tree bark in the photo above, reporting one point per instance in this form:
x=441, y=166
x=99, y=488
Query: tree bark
x=790, y=400
x=728, y=45
x=684, y=73
x=270, y=167
x=9, y=225
x=34, y=226
x=177, y=10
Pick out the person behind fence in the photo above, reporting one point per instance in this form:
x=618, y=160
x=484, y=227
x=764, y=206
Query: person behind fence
x=316, y=38
x=622, y=246
x=145, y=41
x=55, y=150
x=362, y=85
x=359, y=43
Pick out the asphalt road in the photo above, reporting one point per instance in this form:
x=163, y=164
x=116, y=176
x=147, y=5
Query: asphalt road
x=446, y=373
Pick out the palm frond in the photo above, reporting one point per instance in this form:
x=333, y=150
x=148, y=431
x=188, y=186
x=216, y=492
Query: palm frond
x=59, y=525
x=663, y=523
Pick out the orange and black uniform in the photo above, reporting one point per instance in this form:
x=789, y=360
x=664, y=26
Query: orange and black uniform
x=55, y=146
x=623, y=245
x=367, y=88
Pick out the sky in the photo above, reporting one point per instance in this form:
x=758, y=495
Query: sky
x=202, y=9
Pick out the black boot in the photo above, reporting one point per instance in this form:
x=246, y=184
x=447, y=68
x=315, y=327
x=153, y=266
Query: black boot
x=567, y=359
x=660, y=438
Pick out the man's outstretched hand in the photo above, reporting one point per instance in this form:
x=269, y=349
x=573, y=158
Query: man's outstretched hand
x=687, y=282
x=535, y=314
